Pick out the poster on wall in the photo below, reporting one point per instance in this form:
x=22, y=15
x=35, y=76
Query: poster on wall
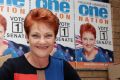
x=12, y=35
x=63, y=9
x=93, y=34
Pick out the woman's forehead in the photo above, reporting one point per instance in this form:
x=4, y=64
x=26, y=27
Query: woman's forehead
x=41, y=28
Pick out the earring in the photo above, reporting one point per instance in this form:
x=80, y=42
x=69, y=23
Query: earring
x=28, y=42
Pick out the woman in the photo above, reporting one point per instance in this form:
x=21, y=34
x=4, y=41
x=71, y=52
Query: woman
x=9, y=47
x=89, y=52
x=41, y=27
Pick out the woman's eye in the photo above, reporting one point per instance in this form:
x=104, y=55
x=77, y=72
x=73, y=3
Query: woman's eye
x=48, y=36
x=35, y=36
x=84, y=38
x=91, y=39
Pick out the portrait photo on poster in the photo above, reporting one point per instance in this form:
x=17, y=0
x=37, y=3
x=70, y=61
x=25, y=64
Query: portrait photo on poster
x=86, y=48
x=9, y=46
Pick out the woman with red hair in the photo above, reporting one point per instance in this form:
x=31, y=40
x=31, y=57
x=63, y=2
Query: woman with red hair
x=89, y=52
x=41, y=27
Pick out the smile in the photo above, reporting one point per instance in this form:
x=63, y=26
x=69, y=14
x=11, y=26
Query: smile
x=42, y=47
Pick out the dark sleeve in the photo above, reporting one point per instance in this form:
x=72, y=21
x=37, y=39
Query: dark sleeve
x=6, y=70
x=108, y=54
x=71, y=51
x=70, y=73
x=24, y=48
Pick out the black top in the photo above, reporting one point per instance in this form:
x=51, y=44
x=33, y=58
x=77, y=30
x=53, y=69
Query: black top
x=21, y=65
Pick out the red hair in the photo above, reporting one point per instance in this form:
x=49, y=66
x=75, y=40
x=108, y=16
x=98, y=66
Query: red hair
x=41, y=15
x=87, y=27
x=3, y=22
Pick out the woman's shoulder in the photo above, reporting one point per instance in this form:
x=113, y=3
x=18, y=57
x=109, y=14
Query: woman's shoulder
x=14, y=61
x=78, y=51
x=105, y=51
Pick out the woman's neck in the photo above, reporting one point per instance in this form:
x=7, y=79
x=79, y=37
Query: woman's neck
x=38, y=62
x=91, y=55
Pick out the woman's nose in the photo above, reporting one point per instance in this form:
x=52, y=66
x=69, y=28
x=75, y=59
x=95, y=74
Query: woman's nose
x=42, y=40
x=88, y=41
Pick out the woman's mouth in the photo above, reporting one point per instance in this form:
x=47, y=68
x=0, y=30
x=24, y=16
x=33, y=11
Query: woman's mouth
x=42, y=47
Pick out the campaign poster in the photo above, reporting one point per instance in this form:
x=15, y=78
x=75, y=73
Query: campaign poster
x=93, y=34
x=12, y=17
x=64, y=10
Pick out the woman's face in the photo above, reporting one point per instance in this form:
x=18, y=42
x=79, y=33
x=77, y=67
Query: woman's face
x=88, y=41
x=2, y=32
x=41, y=39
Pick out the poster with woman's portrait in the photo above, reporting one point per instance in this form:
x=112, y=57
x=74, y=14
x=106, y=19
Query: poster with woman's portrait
x=12, y=35
x=93, y=34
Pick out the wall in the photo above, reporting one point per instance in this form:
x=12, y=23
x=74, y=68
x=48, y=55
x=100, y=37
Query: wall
x=103, y=74
x=116, y=28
